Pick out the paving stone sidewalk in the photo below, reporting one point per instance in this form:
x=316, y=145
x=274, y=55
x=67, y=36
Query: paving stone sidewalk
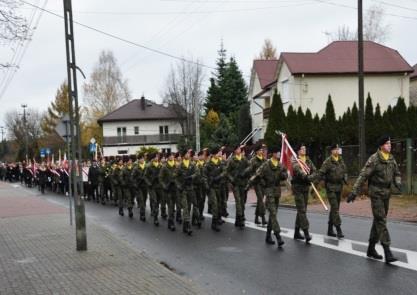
x=38, y=256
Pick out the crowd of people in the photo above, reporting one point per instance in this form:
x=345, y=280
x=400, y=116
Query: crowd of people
x=178, y=185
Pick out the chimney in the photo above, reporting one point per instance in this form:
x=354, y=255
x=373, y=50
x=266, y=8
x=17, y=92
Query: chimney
x=143, y=102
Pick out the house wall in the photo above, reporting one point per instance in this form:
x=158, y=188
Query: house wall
x=131, y=149
x=413, y=92
x=145, y=127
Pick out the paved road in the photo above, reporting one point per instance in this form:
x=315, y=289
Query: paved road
x=237, y=262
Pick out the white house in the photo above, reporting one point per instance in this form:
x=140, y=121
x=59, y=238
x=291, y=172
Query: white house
x=139, y=123
x=306, y=79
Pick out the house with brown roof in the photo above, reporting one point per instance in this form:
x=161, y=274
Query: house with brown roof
x=307, y=79
x=140, y=122
x=413, y=86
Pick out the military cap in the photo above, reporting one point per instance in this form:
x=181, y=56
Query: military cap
x=274, y=149
x=334, y=146
x=200, y=153
x=298, y=146
x=383, y=140
x=214, y=150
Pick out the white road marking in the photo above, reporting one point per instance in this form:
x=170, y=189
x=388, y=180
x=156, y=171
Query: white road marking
x=344, y=245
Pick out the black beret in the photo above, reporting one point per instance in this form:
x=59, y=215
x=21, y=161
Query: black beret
x=298, y=146
x=383, y=139
x=274, y=149
x=200, y=153
x=214, y=150
x=334, y=146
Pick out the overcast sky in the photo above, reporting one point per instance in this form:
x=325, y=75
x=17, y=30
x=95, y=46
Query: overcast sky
x=182, y=28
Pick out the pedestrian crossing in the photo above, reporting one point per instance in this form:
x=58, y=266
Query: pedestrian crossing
x=407, y=258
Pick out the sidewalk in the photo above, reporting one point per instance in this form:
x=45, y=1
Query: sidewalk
x=38, y=256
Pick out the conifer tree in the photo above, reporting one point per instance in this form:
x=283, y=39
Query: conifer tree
x=276, y=121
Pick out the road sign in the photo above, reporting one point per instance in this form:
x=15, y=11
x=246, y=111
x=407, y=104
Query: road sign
x=63, y=128
x=48, y=151
x=92, y=148
x=43, y=152
x=92, y=140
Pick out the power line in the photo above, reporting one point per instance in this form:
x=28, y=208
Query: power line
x=395, y=5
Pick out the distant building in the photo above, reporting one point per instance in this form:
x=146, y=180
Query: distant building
x=306, y=79
x=139, y=123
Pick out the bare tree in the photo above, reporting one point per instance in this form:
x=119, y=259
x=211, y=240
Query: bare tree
x=184, y=90
x=18, y=130
x=268, y=50
x=374, y=28
x=107, y=89
x=13, y=27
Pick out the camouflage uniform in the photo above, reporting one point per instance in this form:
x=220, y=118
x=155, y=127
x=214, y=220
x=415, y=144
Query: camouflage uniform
x=333, y=172
x=128, y=189
x=255, y=163
x=213, y=172
x=381, y=174
x=141, y=191
x=237, y=175
x=101, y=176
x=200, y=190
x=115, y=178
x=300, y=187
x=224, y=191
x=269, y=175
x=167, y=181
x=184, y=181
x=154, y=187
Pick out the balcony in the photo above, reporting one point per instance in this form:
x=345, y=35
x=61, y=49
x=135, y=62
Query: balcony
x=141, y=139
x=266, y=112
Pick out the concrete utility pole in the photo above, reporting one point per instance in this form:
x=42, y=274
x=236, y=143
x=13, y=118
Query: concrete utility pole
x=361, y=118
x=74, y=112
x=24, y=106
x=2, y=133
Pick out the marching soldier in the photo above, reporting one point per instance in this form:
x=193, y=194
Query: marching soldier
x=257, y=160
x=186, y=173
x=100, y=179
x=333, y=172
x=167, y=181
x=116, y=182
x=269, y=175
x=213, y=172
x=236, y=172
x=199, y=187
x=140, y=187
x=93, y=172
x=300, y=187
x=381, y=171
x=127, y=187
x=154, y=187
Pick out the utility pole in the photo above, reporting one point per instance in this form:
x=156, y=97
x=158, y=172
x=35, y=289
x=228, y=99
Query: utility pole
x=2, y=133
x=197, y=125
x=81, y=235
x=361, y=119
x=24, y=106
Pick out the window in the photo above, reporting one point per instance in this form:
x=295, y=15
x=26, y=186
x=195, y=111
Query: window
x=166, y=151
x=121, y=134
x=136, y=129
x=163, y=129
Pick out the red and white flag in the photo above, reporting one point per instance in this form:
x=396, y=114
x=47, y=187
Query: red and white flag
x=286, y=154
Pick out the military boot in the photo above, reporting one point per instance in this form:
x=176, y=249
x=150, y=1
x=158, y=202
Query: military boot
x=372, y=253
x=297, y=234
x=155, y=220
x=279, y=240
x=178, y=217
x=186, y=228
x=121, y=212
x=130, y=212
x=214, y=225
x=330, y=231
x=307, y=236
x=263, y=220
x=171, y=225
x=268, y=238
x=340, y=234
x=257, y=219
x=389, y=258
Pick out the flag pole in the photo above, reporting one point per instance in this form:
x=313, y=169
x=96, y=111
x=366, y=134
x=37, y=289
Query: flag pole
x=298, y=161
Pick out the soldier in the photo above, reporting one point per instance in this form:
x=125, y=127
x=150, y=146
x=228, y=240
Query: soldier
x=381, y=171
x=140, y=187
x=269, y=175
x=178, y=209
x=127, y=187
x=213, y=172
x=224, y=186
x=43, y=177
x=154, y=187
x=300, y=187
x=186, y=173
x=333, y=172
x=167, y=181
x=100, y=180
x=257, y=160
x=93, y=172
x=116, y=182
x=199, y=187
x=237, y=174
